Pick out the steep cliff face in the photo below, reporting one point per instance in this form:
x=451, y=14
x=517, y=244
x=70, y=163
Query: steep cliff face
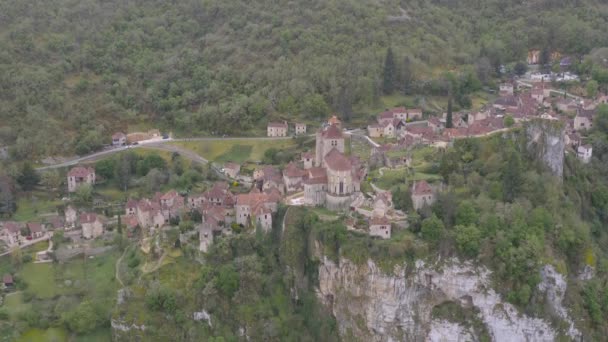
x=370, y=305
x=546, y=142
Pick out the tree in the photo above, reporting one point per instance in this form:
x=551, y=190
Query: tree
x=388, y=84
x=57, y=239
x=468, y=240
x=16, y=256
x=8, y=205
x=407, y=77
x=123, y=170
x=509, y=121
x=466, y=214
x=84, y=194
x=512, y=176
x=154, y=180
x=51, y=179
x=106, y=168
x=119, y=225
x=28, y=178
x=83, y=319
x=432, y=229
x=227, y=280
x=520, y=68
x=448, y=120
x=592, y=88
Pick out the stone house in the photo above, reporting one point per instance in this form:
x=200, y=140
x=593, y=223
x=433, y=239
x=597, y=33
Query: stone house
x=11, y=234
x=293, y=177
x=300, y=128
x=232, y=169
x=583, y=120
x=78, y=176
x=422, y=194
x=7, y=280
x=375, y=130
x=584, y=153
x=119, y=139
x=92, y=225
x=380, y=227
x=255, y=207
x=435, y=124
x=277, y=129
x=35, y=229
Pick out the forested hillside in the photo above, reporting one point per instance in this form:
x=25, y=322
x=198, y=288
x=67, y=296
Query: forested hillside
x=72, y=72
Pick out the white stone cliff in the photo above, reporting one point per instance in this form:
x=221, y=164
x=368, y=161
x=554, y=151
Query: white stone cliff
x=374, y=306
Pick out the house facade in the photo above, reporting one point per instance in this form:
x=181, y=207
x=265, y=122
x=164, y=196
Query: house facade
x=92, y=225
x=300, y=128
x=79, y=176
x=422, y=194
x=277, y=129
x=380, y=227
x=583, y=120
x=119, y=139
x=584, y=153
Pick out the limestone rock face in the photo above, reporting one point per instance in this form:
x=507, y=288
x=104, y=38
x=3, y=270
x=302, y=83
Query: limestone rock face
x=443, y=331
x=370, y=305
x=546, y=141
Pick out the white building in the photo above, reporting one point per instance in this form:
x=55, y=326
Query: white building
x=584, y=153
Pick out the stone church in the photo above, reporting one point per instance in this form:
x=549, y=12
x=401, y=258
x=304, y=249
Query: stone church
x=335, y=180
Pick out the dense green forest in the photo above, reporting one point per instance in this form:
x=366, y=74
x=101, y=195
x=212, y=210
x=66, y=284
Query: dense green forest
x=73, y=72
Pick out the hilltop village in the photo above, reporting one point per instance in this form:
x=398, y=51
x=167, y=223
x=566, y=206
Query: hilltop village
x=324, y=177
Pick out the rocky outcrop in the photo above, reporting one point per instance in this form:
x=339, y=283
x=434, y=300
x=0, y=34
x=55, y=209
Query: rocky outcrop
x=442, y=330
x=373, y=306
x=546, y=141
x=554, y=286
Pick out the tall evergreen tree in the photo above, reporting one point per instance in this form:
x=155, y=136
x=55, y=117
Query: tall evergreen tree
x=388, y=86
x=448, y=119
x=28, y=179
x=119, y=225
x=406, y=75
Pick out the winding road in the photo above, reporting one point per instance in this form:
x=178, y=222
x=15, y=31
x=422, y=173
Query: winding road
x=163, y=145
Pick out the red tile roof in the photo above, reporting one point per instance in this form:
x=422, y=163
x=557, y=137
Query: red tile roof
x=293, y=171
x=421, y=188
x=12, y=227
x=337, y=161
x=278, y=124
x=379, y=221
x=34, y=227
x=118, y=135
x=88, y=218
x=7, y=279
x=80, y=171
x=332, y=132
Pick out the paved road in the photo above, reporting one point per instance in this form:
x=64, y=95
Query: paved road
x=162, y=145
x=28, y=243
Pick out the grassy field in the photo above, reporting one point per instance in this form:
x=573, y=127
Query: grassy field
x=237, y=150
x=91, y=276
x=34, y=204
